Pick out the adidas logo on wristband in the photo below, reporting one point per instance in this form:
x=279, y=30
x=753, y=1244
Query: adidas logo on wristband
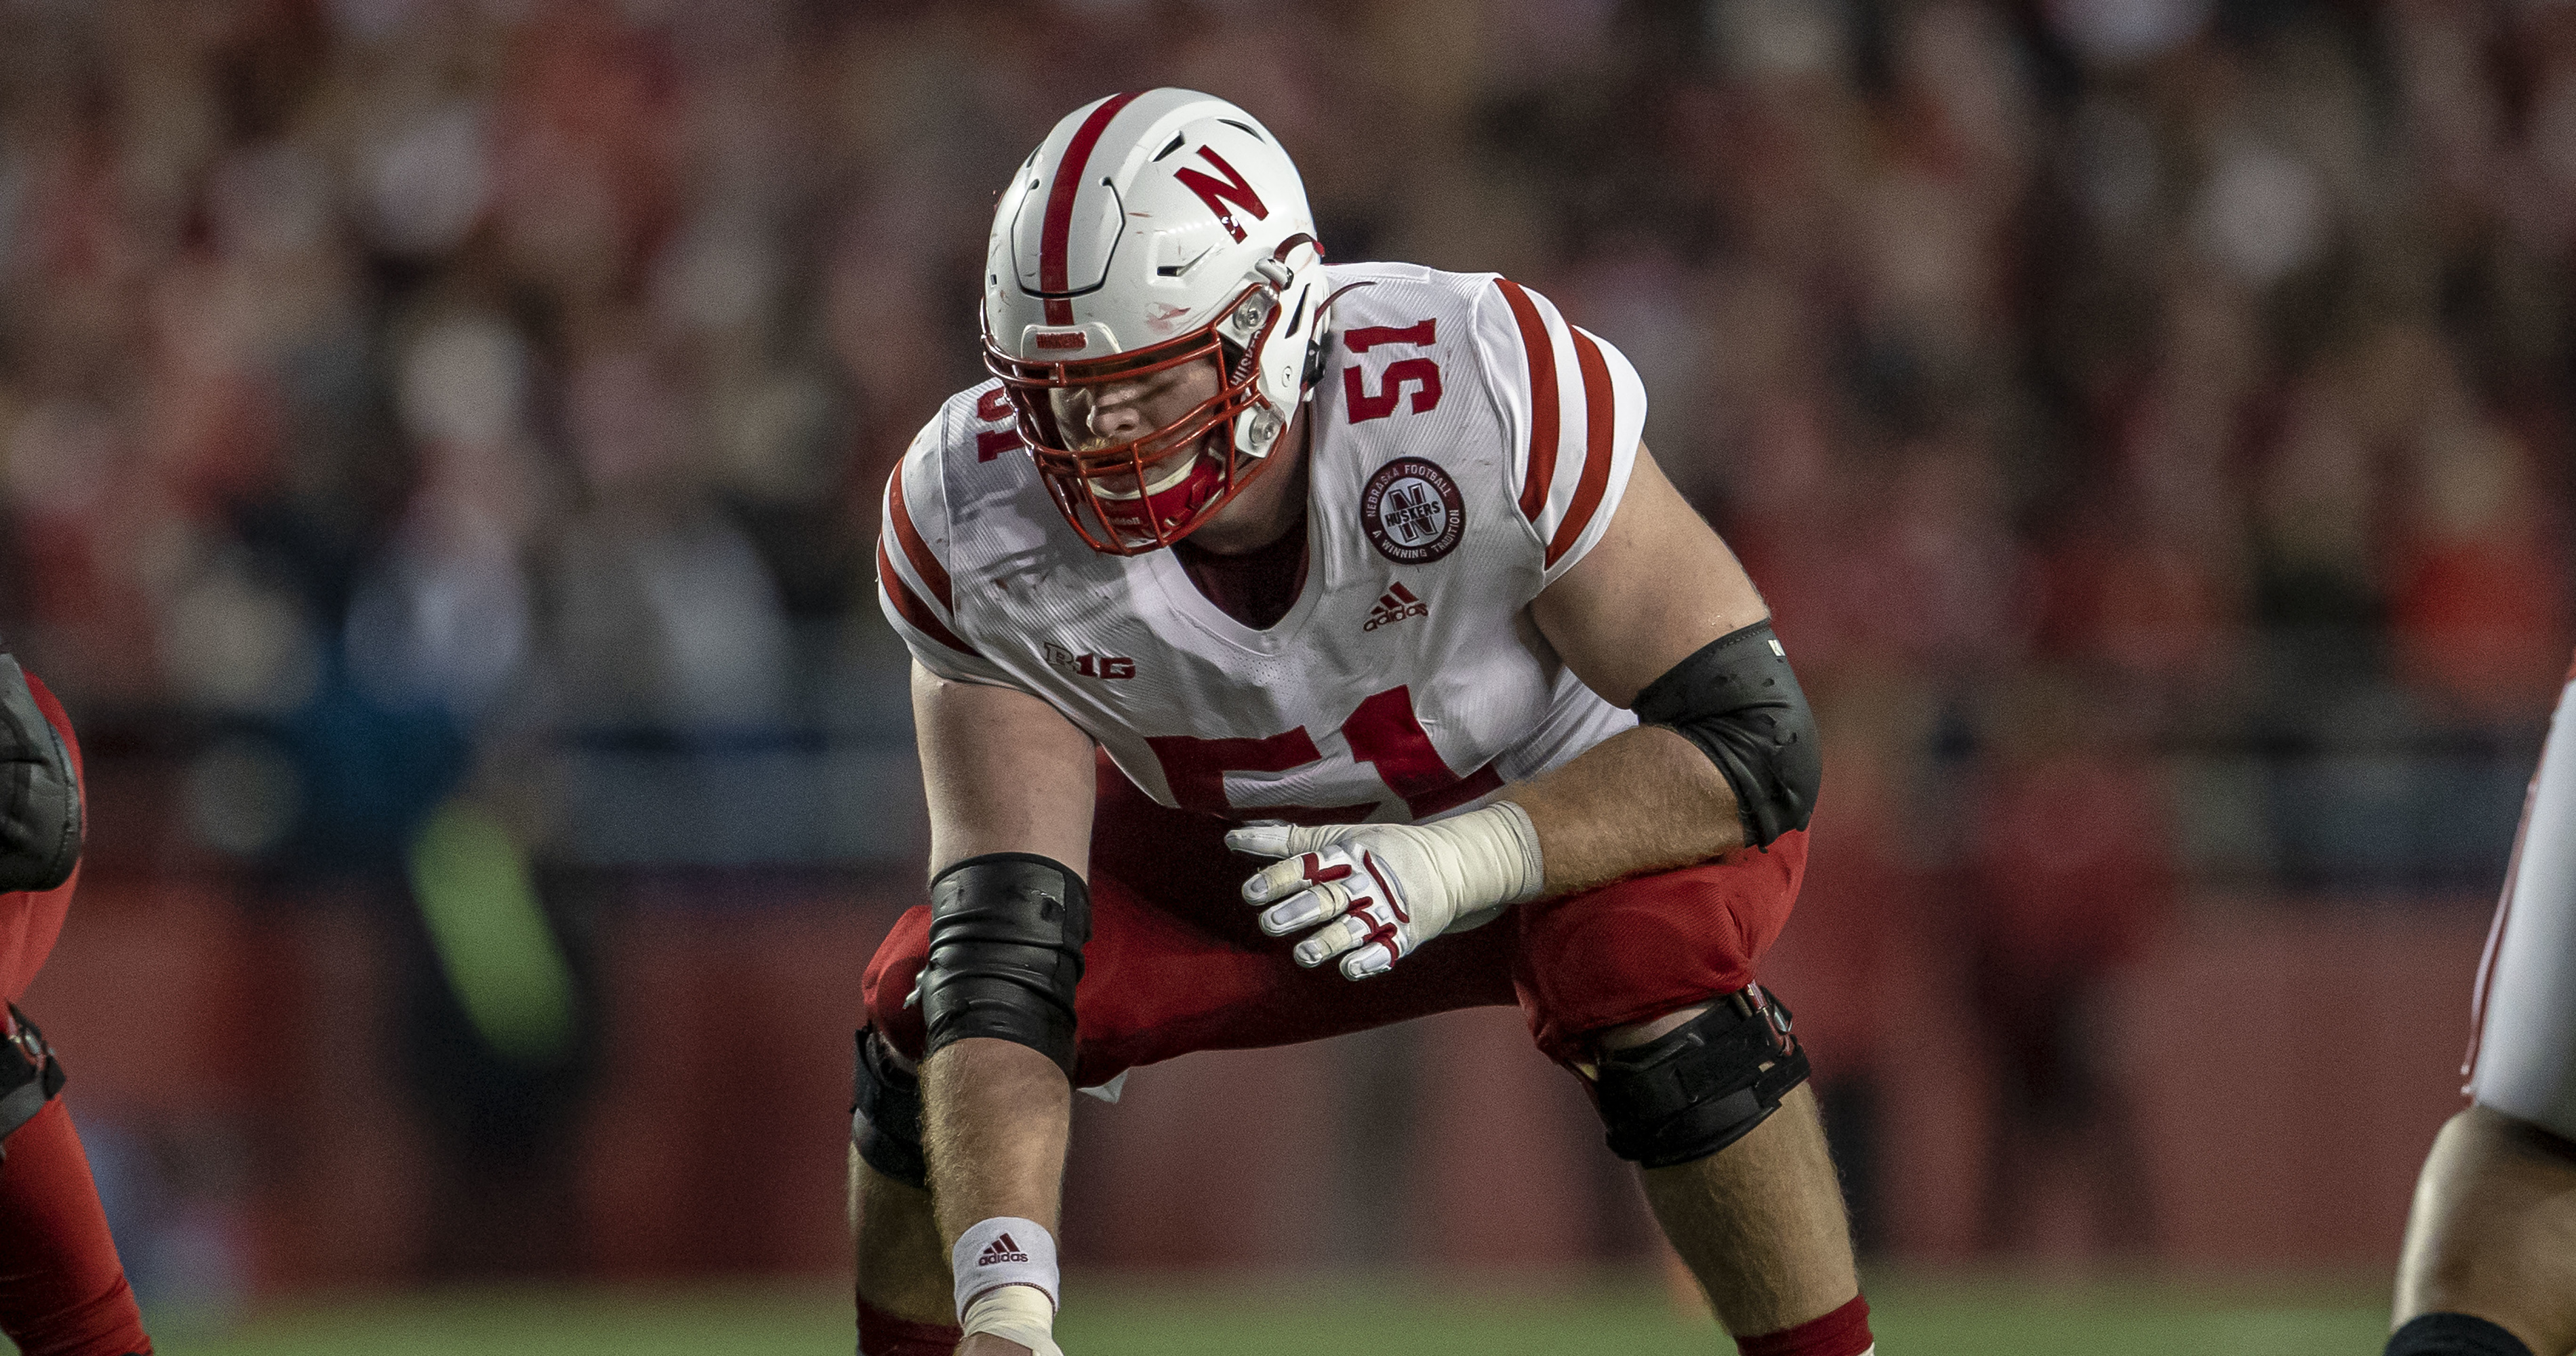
x=1002, y=1252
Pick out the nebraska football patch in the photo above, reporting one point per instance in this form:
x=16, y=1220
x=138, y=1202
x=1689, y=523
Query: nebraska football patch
x=1412, y=511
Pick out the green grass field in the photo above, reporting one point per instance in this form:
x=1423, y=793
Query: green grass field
x=1912, y=1316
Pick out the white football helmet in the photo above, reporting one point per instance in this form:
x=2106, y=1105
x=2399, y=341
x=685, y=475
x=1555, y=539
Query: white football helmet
x=1147, y=231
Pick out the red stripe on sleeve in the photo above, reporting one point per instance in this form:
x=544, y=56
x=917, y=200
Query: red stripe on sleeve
x=924, y=562
x=1542, y=368
x=1058, y=230
x=1600, y=426
x=909, y=606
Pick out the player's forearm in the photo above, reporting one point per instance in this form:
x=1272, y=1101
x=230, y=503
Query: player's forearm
x=996, y=1117
x=1643, y=800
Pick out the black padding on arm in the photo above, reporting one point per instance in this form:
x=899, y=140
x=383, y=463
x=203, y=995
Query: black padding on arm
x=885, y=1119
x=1006, y=935
x=40, y=812
x=1737, y=700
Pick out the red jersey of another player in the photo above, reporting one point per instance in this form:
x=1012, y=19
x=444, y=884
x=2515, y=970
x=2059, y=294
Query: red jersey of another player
x=62, y=1290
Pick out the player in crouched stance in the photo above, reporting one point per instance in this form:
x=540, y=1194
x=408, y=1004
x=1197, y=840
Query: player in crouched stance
x=2490, y=1261
x=1360, y=571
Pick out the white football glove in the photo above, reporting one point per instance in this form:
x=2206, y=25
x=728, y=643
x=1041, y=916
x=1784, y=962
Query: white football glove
x=1382, y=890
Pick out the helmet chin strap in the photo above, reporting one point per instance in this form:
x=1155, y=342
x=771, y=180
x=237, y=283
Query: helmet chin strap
x=1291, y=512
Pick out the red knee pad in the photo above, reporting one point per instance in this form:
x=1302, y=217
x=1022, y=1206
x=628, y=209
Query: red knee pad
x=1844, y=1332
x=883, y=1334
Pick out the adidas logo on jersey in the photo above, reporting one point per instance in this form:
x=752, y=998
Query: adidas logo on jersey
x=1001, y=1249
x=1393, y=606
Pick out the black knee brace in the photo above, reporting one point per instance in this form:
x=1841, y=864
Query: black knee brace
x=30, y=1076
x=2453, y=1335
x=1703, y=1085
x=885, y=1114
x=1006, y=935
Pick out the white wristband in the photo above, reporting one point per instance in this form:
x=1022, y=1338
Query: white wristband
x=1003, y=1250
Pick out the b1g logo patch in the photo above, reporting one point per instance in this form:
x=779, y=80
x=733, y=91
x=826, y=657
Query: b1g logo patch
x=1412, y=511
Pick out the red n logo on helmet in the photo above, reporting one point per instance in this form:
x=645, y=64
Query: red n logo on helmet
x=1218, y=193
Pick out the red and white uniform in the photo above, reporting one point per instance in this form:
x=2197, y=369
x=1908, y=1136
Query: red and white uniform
x=2523, y=1058
x=1469, y=447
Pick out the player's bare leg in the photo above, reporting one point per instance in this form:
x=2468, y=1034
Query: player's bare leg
x=1760, y=1223
x=2493, y=1230
x=995, y=1119
x=903, y=1267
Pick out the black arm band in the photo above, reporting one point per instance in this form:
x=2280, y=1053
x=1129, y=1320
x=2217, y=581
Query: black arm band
x=40, y=811
x=1737, y=700
x=1006, y=935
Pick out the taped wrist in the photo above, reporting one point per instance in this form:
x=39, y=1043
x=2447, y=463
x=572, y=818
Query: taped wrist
x=40, y=810
x=1006, y=937
x=1736, y=699
x=1496, y=856
x=1014, y=1313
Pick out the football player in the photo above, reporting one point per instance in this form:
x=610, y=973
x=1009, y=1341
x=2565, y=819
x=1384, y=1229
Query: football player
x=62, y=1289
x=2490, y=1262
x=1298, y=649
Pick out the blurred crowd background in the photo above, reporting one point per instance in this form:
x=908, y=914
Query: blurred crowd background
x=440, y=444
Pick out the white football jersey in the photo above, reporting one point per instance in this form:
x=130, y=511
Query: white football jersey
x=2523, y=1060
x=1469, y=446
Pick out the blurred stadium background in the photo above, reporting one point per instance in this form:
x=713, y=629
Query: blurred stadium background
x=439, y=449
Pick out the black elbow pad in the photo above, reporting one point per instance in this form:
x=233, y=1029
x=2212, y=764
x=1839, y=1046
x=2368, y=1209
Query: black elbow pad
x=40, y=809
x=1006, y=937
x=1737, y=700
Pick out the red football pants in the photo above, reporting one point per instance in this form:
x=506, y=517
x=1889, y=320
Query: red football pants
x=62, y=1291
x=1176, y=962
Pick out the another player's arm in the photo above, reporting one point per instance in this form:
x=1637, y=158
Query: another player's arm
x=1657, y=589
x=1004, y=773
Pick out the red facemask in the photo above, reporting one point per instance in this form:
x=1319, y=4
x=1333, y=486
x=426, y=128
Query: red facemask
x=1126, y=498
